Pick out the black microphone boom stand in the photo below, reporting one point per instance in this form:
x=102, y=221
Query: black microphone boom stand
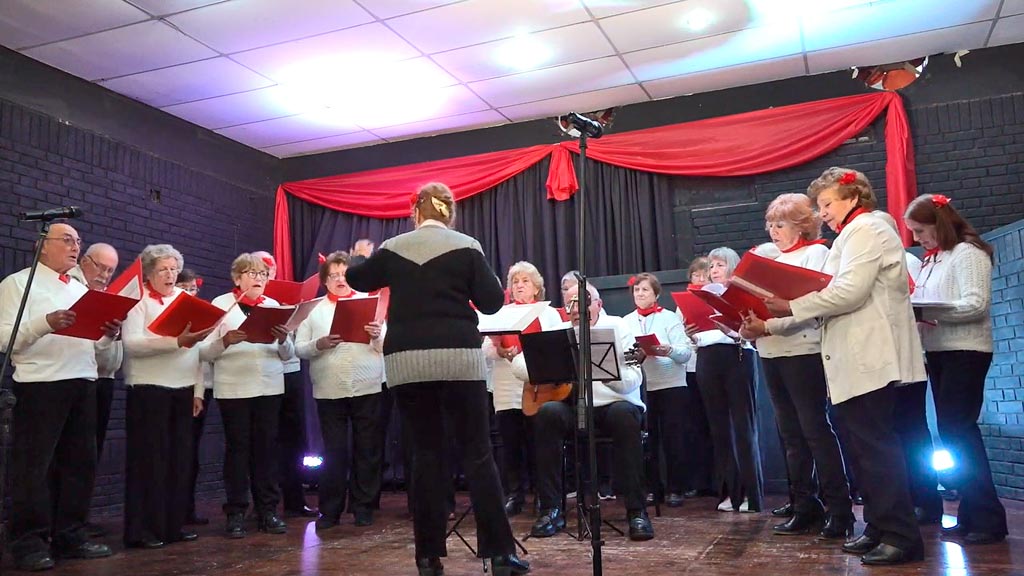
x=7, y=398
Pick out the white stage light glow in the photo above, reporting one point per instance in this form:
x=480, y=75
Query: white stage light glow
x=312, y=461
x=522, y=53
x=942, y=460
x=698, y=19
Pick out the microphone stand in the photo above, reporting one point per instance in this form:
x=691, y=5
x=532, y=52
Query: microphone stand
x=7, y=398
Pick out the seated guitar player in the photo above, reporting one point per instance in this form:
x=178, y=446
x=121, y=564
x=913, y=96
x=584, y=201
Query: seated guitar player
x=618, y=411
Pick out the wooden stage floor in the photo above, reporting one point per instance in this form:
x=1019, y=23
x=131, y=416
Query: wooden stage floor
x=693, y=539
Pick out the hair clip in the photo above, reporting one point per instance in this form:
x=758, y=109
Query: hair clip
x=320, y=258
x=848, y=178
x=440, y=206
x=939, y=200
x=631, y=282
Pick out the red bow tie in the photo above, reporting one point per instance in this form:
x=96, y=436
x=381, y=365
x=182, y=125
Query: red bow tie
x=648, y=311
x=64, y=278
x=246, y=299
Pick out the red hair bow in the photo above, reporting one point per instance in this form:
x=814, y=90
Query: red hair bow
x=199, y=282
x=848, y=178
x=268, y=261
x=414, y=199
x=939, y=200
x=320, y=258
x=631, y=282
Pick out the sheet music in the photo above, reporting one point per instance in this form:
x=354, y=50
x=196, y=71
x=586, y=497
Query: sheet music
x=511, y=319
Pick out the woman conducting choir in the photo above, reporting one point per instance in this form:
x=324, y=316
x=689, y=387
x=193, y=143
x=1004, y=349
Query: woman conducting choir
x=869, y=345
x=162, y=374
x=347, y=379
x=957, y=339
x=667, y=401
x=791, y=360
x=434, y=363
x=248, y=383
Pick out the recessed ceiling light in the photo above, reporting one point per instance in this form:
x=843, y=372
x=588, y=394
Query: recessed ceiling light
x=698, y=19
x=522, y=52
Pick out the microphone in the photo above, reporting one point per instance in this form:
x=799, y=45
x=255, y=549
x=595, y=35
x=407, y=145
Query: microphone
x=585, y=125
x=52, y=214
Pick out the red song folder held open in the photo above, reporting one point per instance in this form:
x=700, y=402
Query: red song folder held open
x=290, y=293
x=764, y=277
x=695, y=311
x=648, y=342
x=733, y=303
x=259, y=324
x=351, y=317
x=93, y=310
x=184, y=310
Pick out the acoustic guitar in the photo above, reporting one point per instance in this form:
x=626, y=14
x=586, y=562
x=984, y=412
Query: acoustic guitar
x=535, y=395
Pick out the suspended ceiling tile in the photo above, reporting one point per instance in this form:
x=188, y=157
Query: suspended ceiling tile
x=33, y=22
x=549, y=48
x=880, y=20
x=764, y=43
x=477, y=21
x=188, y=82
x=391, y=108
x=244, y=24
x=318, y=145
x=587, y=102
x=554, y=82
x=741, y=75
x=605, y=8
x=391, y=8
x=121, y=51
x=165, y=7
x=1012, y=7
x=967, y=37
x=328, y=54
x=289, y=129
x=243, y=108
x=677, y=22
x=1008, y=31
x=436, y=126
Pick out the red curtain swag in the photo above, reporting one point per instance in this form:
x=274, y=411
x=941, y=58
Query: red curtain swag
x=737, y=145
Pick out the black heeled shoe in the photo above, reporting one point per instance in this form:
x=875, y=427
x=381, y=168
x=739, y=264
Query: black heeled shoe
x=430, y=566
x=509, y=565
x=860, y=545
x=838, y=526
x=888, y=555
x=549, y=523
x=799, y=523
x=783, y=511
x=270, y=523
x=514, y=504
x=235, y=525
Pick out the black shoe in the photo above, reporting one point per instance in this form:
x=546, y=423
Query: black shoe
x=799, y=523
x=147, y=544
x=549, y=523
x=94, y=530
x=860, y=545
x=304, y=512
x=640, y=528
x=649, y=501
x=35, y=561
x=675, y=500
x=783, y=511
x=982, y=538
x=194, y=520
x=691, y=494
x=858, y=500
x=188, y=536
x=430, y=566
x=925, y=517
x=514, y=504
x=364, y=517
x=838, y=526
x=271, y=524
x=956, y=530
x=887, y=555
x=509, y=565
x=86, y=550
x=235, y=526
x=326, y=522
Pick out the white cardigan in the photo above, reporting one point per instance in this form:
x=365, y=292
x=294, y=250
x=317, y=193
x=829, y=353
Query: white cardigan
x=349, y=369
x=963, y=277
x=155, y=360
x=663, y=371
x=869, y=337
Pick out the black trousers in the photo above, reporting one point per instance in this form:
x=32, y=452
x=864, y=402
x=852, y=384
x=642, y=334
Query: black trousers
x=912, y=428
x=725, y=374
x=54, y=432
x=877, y=458
x=621, y=420
x=699, y=458
x=958, y=385
x=421, y=404
x=158, y=425
x=104, y=402
x=360, y=482
x=800, y=397
x=518, y=460
x=198, y=425
x=291, y=441
x=250, y=452
x=666, y=424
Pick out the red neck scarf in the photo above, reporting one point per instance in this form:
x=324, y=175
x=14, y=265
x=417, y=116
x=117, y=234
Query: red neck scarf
x=692, y=286
x=857, y=211
x=645, y=312
x=152, y=293
x=64, y=278
x=803, y=243
x=929, y=255
x=334, y=297
x=247, y=300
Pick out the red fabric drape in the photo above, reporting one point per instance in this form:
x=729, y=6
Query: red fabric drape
x=737, y=145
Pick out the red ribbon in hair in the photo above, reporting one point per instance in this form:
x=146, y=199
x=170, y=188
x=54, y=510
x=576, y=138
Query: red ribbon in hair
x=939, y=200
x=631, y=282
x=268, y=261
x=199, y=281
x=848, y=178
x=320, y=258
x=414, y=199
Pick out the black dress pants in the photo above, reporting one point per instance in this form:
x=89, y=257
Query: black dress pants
x=198, y=425
x=877, y=458
x=517, y=454
x=912, y=427
x=291, y=441
x=666, y=424
x=358, y=484
x=54, y=432
x=958, y=385
x=158, y=461
x=725, y=373
x=800, y=397
x=104, y=402
x=250, y=452
x=699, y=458
x=421, y=405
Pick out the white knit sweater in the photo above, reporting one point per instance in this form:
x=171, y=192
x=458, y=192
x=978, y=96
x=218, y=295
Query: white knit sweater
x=663, y=371
x=791, y=338
x=963, y=277
x=348, y=370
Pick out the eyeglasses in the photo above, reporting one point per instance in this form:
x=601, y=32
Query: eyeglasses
x=256, y=275
x=100, y=267
x=336, y=276
x=168, y=271
x=190, y=289
x=67, y=239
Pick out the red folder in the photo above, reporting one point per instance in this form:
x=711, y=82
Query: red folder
x=648, y=342
x=184, y=310
x=764, y=277
x=726, y=324
x=289, y=293
x=259, y=324
x=129, y=283
x=351, y=317
x=695, y=311
x=93, y=310
x=734, y=303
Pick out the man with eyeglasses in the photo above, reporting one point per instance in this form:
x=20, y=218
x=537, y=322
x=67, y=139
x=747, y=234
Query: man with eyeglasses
x=55, y=416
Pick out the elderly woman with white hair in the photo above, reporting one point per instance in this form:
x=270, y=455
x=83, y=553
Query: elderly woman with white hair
x=725, y=374
x=162, y=374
